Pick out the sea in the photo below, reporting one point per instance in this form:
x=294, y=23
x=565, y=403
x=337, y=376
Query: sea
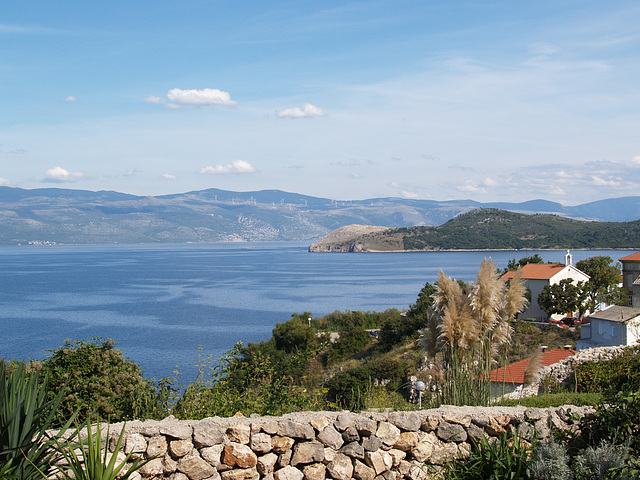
x=168, y=305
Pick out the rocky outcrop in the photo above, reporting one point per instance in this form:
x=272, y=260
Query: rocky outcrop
x=337, y=445
x=346, y=239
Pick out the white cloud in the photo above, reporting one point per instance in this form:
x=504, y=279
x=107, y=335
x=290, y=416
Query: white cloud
x=490, y=182
x=204, y=97
x=406, y=194
x=470, y=187
x=70, y=98
x=636, y=159
x=168, y=176
x=4, y=182
x=238, y=166
x=153, y=99
x=306, y=111
x=60, y=175
x=602, y=182
x=355, y=176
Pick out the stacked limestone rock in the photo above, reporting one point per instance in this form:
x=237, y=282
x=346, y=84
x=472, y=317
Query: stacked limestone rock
x=319, y=445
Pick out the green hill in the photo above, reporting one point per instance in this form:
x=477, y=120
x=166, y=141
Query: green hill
x=493, y=229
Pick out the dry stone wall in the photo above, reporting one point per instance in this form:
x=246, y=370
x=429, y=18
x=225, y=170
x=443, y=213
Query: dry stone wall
x=330, y=445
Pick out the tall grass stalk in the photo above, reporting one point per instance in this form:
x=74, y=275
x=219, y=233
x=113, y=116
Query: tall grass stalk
x=465, y=329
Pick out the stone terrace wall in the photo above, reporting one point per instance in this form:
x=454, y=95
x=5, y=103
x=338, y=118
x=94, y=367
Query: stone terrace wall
x=337, y=445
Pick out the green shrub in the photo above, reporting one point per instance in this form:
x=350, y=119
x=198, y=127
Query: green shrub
x=350, y=389
x=87, y=460
x=504, y=459
x=100, y=381
x=618, y=420
x=619, y=373
x=26, y=413
x=596, y=463
x=550, y=462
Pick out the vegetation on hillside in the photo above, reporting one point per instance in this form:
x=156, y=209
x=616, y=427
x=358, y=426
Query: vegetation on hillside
x=493, y=229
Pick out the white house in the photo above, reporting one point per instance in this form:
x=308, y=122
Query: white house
x=611, y=327
x=537, y=275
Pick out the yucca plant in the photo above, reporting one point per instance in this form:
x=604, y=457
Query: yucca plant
x=95, y=462
x=25, y=416
x=506, y=459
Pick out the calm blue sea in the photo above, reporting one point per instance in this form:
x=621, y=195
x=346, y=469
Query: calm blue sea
x=161, y=302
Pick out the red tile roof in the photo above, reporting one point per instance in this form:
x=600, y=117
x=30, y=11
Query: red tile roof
x=536, y=271
x=514, y=373
x=633, y=256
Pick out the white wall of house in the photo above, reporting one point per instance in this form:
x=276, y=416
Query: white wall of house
x=536, y=286
x=606, y=333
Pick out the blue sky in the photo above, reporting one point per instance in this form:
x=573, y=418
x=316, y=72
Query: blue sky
x=489, y=100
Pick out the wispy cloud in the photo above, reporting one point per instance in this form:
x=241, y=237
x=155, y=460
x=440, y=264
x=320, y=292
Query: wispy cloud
x=168, y=176
x=60, y=175
x=70, y=98
x=204, y=97
x=305, y=111
x=4, y=182
x=236, y=167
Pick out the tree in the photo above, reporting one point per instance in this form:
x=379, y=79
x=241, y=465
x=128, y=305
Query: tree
x=563, y=297
x=516, y=264
x=603, y=284
x=294, y=335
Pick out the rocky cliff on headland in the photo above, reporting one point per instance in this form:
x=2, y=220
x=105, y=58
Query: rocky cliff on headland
x=346, y=239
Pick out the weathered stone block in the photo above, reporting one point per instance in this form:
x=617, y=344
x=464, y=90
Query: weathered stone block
x=212, y=454
x=177, y=430
x=195, y=467
x=366, y=426
x=344, y=421
x=289, y=428
x=288, y=473
x=135, y=443
x=266, y=463
x=281, y=444
x=307, y=452
x=180, y=448
x=351, y=435
x=451, y=432
x=260, y=443
x=354, y=450
x=238, y=455
x=239, y=433
x=207, y=434
x=388, y=433
x=341, y=468
x=362, y=471
x=157, y=447
x=406, y=441
x=241, y=474
x=315, y=471
x=331, y=438
x=408, y=421
x=371, y=443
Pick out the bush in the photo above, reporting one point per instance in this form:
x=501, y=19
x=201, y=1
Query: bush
x=99, y=380
x=350, y=389
x=550, y=462
x=26, y=413
x=618, y=420
x=597, y=463
x=620, y=373
x=505, y=459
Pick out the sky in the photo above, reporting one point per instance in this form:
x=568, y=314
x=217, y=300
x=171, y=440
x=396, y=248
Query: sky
x=427, y=99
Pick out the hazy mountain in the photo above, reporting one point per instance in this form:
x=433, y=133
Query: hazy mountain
x=54, y=215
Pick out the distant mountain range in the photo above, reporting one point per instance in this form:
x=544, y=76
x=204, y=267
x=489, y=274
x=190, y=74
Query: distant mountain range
x=66, y=216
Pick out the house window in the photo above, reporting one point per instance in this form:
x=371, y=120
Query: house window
x=613, y=330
